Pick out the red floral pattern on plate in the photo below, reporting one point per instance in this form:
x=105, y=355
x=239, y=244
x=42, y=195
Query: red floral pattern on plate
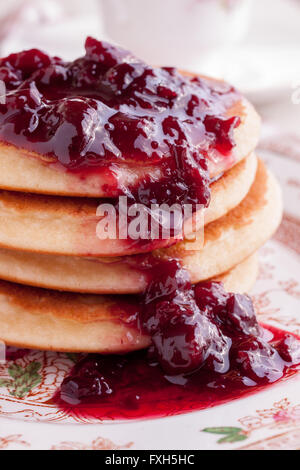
x=16, y=439
x=97, y=444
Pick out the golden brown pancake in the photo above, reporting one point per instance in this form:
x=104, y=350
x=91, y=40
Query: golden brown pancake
x=238, y=234
x=48, y=320
x=21, y=170
x=67, y=226
x=227, y=242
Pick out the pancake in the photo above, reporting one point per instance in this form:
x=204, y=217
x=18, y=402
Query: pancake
x=25, y=171
x=227, y=242
x=234, y=237
x=67, y=226
x=41, y=319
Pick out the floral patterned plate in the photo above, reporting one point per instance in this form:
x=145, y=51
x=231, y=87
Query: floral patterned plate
x=268, y=420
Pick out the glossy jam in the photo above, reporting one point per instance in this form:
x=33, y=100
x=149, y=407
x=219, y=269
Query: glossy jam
x=207, y=348
x=110, y=108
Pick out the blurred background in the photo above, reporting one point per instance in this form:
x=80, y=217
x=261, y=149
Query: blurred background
x=255, y=44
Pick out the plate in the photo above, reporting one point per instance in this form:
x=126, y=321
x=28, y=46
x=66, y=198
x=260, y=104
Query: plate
x=267, y=420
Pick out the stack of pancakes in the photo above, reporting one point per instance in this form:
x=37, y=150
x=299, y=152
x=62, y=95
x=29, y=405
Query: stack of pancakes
x=62, y=288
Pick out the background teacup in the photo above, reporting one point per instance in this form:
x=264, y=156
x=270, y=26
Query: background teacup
x=184, y=33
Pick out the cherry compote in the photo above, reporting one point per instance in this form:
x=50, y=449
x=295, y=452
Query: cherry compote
x=109, y=108
x=207, y=348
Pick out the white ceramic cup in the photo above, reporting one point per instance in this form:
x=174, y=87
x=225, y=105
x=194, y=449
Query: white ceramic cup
x=184, y=33
x=9, y=15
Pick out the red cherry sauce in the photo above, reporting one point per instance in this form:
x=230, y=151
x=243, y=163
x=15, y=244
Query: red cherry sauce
x=109, y=108
x=207, y=349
